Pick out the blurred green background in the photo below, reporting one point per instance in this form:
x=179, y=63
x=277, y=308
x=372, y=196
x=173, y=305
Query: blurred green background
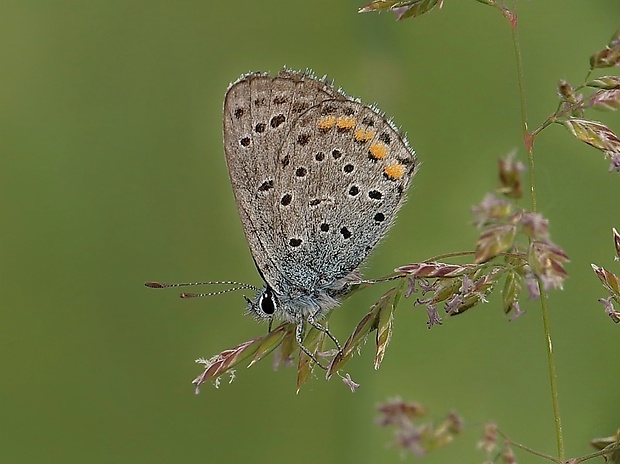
x=113, y=173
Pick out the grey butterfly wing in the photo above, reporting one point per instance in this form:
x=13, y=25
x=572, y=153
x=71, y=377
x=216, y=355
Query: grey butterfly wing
x=317, y=177
x=258, y=110
x=347, y=172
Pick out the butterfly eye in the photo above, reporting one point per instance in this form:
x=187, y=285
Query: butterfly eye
x=266, y=303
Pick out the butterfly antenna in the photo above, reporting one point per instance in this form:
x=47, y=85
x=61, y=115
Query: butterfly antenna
x=379, y=280
x=237, y=286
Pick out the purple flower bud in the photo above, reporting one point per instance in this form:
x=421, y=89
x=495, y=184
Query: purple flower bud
x=410, y=286
x=516, y=310
x=614, y=162
x=609, y=309
x=433, y=316
x=350, y=383
x=535, y=226
x=532, y=287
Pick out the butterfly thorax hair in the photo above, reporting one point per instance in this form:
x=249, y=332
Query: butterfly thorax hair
x=293, y=305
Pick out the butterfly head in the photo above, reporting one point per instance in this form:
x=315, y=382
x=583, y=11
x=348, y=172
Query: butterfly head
x=264, y=305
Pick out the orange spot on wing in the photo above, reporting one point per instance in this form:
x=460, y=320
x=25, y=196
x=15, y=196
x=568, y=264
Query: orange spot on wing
x=346, y=122
x=326, y=123
x=394, y=171
x=378, y=150
x=363, y=135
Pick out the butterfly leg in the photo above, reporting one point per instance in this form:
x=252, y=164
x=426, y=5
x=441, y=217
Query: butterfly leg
x=299, y=335
x=323, y=329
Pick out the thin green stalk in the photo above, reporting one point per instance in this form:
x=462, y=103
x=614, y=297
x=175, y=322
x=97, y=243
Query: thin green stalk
x=527, y=137
x=553, y=378
x=529, y=450
x=520, y=79
x=529, y=145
